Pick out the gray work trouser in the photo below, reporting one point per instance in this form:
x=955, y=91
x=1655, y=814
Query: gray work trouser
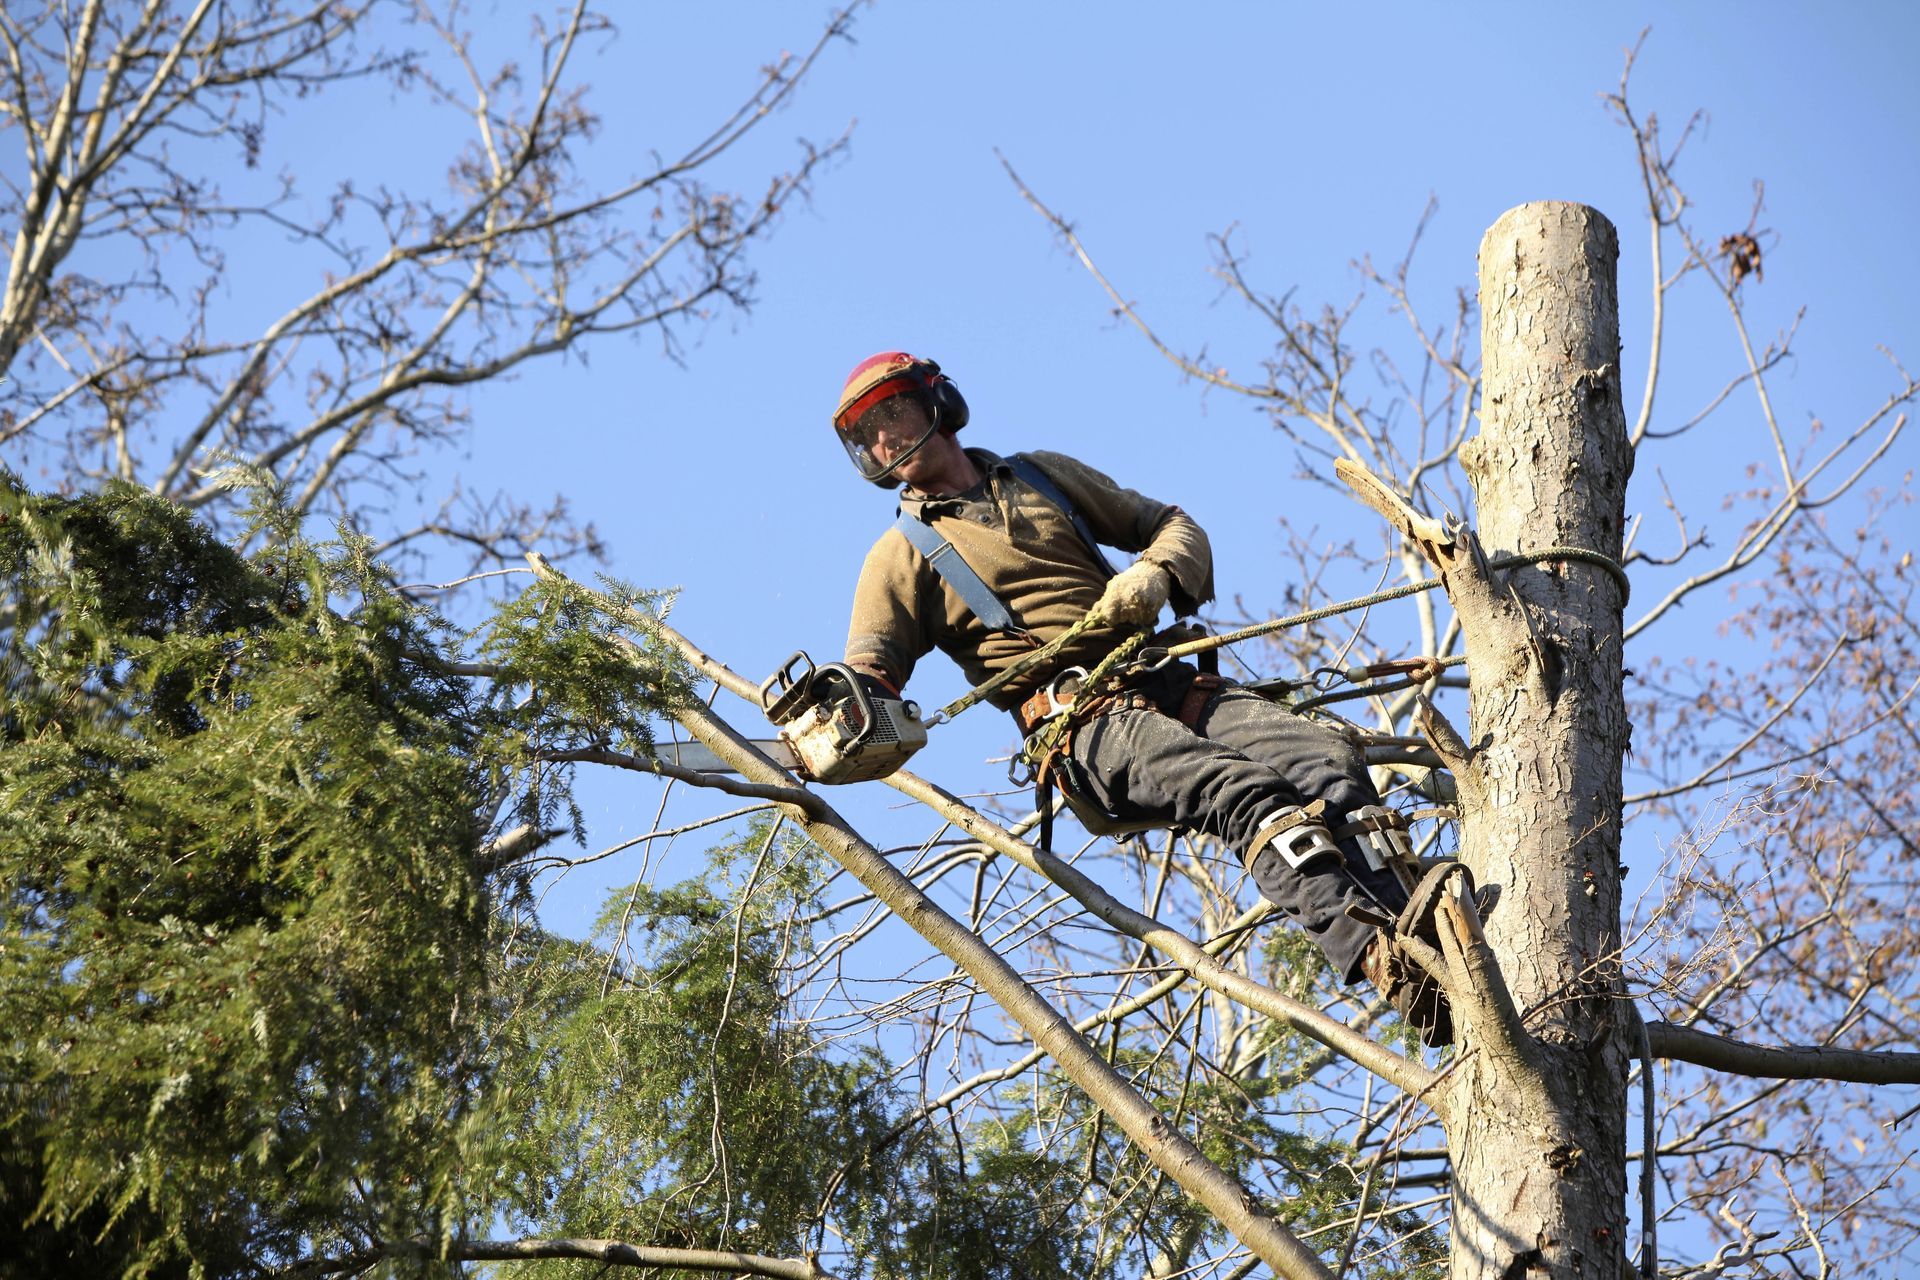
x=1245, y=757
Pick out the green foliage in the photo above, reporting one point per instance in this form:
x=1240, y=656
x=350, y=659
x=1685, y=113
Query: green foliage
x=663, y=1060
x=577, y=669
x=239, y=890
x=994, y=1209
x=257, y=1005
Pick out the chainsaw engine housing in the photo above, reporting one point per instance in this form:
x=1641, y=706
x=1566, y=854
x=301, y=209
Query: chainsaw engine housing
x=838, y=728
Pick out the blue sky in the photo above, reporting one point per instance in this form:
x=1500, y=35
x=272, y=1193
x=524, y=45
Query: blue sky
x=1318, y=133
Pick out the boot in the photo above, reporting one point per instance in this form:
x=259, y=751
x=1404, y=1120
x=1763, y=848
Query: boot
x=1414, y=993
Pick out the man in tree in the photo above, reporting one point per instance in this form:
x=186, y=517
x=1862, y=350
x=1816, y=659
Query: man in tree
x=993, y=557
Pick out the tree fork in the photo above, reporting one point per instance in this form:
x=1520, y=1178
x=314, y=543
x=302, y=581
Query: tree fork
x=1539, y=1180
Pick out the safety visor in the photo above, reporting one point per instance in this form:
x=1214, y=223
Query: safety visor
x=877, y=450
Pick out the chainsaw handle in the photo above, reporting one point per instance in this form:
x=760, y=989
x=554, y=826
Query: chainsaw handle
x=783, y=693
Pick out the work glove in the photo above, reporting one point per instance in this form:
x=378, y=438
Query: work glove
x=1134, y=595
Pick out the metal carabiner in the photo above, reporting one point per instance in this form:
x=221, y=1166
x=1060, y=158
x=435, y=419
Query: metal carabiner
x=1147, y=663
x=1325, y=679
x=1055, y=691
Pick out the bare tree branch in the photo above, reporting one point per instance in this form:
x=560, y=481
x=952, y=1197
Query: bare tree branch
x=1781, y=1062
x=612, y=1252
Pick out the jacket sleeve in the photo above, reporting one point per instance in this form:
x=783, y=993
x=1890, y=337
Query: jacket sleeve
x=1123, y=518
x=893, y=619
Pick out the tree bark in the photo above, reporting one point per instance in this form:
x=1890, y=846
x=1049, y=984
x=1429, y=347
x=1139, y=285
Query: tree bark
x=1537, y=1120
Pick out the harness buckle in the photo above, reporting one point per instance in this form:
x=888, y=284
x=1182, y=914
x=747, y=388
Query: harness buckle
x=1383, y=836
x=1043, y=709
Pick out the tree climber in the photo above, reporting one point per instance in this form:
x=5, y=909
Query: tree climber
x=992, y=557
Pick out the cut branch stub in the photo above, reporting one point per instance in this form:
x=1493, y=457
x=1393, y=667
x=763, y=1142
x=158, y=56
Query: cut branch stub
x=1433, y=538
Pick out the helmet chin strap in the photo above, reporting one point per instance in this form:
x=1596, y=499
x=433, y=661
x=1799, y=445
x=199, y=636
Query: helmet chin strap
x=933, y=429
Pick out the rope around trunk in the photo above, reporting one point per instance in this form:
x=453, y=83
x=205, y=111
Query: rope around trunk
x=1581, y=554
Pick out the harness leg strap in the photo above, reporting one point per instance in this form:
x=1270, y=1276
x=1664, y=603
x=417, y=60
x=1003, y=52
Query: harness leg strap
x=1288, y=839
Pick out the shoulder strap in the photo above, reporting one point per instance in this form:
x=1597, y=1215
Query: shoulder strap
x=1029, y=470
x=957, y=573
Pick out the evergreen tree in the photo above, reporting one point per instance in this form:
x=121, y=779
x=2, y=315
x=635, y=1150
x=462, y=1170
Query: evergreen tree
x=243, y=908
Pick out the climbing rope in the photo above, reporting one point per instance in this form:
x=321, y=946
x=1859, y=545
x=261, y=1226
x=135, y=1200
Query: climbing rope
x=1435, y=667
x=1000, y=679
x=1400, y=592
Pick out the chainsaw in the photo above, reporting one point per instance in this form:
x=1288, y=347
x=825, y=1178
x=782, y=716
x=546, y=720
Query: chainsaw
x=839, y=726
x=835, y=726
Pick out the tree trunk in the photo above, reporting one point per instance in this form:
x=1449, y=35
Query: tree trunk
x=1537, y=1120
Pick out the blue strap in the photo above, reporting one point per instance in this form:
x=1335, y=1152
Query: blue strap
x=958, y=574
x=1028, y=470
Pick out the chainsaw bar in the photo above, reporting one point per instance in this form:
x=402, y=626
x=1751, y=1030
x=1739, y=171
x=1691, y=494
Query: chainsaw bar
x=691, y=755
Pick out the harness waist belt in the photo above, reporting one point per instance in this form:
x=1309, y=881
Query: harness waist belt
x=1044, y=703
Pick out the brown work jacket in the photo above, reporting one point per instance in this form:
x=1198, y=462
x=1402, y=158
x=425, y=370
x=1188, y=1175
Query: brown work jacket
x=1026, y=551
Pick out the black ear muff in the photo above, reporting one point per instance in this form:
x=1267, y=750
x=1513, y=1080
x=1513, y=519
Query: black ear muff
x=947, y=400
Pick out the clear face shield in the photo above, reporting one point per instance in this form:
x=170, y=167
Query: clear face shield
x=880, y=443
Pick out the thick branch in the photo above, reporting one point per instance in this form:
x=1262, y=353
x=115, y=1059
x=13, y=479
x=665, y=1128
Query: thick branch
x=613, y=1252
x=1782, y=1062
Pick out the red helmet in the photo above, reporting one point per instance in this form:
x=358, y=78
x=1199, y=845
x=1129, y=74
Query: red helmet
x=879, y=378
